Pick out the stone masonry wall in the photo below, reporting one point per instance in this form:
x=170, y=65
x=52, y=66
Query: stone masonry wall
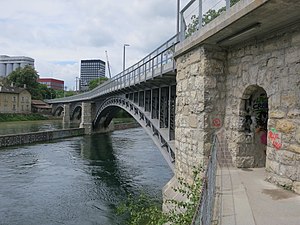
x=213, y=88
x=274, y=65
x=200, y=100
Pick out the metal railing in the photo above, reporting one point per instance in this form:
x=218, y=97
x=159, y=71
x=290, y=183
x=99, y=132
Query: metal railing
x=220, y=159
x=204, y=211
x=197, y=13
x=159, y=61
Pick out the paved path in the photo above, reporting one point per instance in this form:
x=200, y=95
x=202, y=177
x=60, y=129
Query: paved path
x=246, y=199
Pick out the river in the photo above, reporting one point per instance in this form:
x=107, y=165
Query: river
x=78, y=180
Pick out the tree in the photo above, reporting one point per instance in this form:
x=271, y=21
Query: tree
x=96, y=82
x=26, y=76
x=210, y=15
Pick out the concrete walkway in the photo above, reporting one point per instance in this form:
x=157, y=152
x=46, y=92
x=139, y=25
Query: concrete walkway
x=244, y=198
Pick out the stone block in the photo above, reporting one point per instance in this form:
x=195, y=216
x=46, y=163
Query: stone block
x=244, y=162
x=294, y=113
x=292, y=55
x=277, y=114
x=285, y=126
x=272, y=166
x=296, y=187
x=193, y=121
x=271, y=154
x=289, y=99
x=286, y=158
x=294, y=148
x=279, y=180
x=194, y=69
x=289, y=172
x=297, y=135
x=210, y=82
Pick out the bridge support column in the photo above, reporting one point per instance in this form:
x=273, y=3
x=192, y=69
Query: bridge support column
x=66, y=117
x=200, y=106
x=86, y=118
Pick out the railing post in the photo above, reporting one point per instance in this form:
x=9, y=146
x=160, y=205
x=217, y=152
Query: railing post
x=152, y=62
x=200, y=14
x=178, y=19
x=227, y=4
x=182, y=27
x=161, y=64
x=159, y=106
x=169, y=113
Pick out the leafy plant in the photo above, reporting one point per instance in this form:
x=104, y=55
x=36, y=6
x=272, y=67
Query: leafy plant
x=144, y=210
x=210, y=15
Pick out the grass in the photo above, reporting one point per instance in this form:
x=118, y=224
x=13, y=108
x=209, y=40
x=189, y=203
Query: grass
x=6, y=117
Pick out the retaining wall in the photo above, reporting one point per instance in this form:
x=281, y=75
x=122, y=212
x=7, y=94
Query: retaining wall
x=28, y=138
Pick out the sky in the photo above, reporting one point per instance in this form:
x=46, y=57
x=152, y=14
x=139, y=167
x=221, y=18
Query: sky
x=57, y=34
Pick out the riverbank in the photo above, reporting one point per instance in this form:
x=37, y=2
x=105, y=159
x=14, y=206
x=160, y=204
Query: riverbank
x=8, y=117
x=124, y=126
x=34, y=137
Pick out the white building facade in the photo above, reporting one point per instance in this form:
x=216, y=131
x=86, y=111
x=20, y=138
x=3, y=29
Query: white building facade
x=9, y=64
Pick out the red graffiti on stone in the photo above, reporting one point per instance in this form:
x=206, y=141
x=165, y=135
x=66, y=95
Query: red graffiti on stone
x=275, y=138
x=216, y=122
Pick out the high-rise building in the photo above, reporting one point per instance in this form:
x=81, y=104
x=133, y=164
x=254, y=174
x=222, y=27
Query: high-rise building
x=9, y=64
x=89, y=70
x=52, y=83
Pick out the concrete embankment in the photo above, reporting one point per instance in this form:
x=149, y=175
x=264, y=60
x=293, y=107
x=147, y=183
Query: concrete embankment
x=28, y=138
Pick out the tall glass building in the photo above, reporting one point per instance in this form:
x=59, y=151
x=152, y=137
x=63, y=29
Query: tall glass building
x=89, y=70
x=9, y=64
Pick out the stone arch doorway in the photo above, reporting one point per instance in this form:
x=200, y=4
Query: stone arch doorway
x=254, y=123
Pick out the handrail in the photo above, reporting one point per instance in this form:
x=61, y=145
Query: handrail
x=204, y=212
x=128, y=75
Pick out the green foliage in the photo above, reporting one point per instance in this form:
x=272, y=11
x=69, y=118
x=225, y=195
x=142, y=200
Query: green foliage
x=26, y=76
x=147, y=211
x=210, y=15
x=4, y=117
x=122, y=114
x=142, y=210
x=124, y=120
x=96, y=82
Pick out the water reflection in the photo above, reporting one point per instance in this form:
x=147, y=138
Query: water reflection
x=78, y=180
x=31, y=126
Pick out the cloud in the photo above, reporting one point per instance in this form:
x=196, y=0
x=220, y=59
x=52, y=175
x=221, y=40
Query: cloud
x=58, y=34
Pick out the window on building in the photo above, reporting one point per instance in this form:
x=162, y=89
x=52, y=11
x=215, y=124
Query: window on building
x=14, y=107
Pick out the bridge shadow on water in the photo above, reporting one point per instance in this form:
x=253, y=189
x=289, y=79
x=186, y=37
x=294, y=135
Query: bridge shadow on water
x=126, y=162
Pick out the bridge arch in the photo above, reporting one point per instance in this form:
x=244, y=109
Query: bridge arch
x=58, y=110
x=253, y=113
x=76, y=112
x=110, y=108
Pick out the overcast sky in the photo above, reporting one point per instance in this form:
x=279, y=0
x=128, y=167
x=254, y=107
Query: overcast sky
x=59, y=33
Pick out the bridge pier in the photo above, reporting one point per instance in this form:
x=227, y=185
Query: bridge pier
x=66, y=116
x=87, y=117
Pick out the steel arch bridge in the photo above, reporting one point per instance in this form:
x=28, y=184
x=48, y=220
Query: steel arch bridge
x=146, y=90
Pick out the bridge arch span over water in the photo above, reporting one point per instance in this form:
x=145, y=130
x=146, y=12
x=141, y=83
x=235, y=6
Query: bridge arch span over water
x=161, y=137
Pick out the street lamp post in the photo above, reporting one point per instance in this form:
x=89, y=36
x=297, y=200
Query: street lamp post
x=125, y=45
